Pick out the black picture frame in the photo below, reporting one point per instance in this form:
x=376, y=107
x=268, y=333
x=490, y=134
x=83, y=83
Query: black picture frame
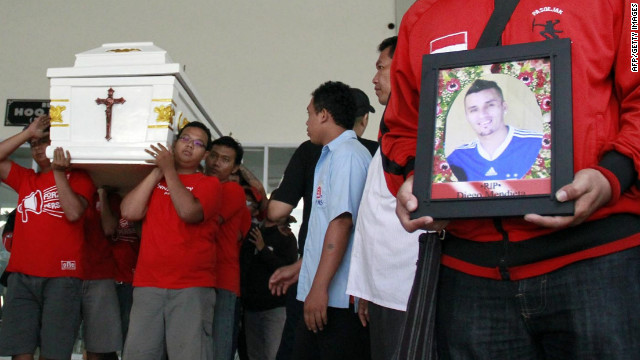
x=545, y=70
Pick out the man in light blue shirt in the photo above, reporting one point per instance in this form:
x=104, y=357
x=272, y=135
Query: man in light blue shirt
x=330, y=328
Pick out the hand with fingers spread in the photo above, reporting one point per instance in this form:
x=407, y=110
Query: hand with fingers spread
x=315, y=309
x=61, y=160
x=162, y=157
x=590, y=190
x=256, y=238
x=407, y=203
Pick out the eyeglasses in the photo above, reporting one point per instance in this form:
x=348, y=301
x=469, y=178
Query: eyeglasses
x=42, y=141
x=196, y=142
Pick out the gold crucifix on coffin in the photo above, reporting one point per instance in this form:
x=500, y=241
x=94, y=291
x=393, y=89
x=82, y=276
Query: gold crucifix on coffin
x=109, y=101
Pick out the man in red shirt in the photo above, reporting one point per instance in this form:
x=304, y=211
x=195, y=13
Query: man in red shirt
x=563, y=287
x=235, y=221
x=173, y=298
x=44, y=292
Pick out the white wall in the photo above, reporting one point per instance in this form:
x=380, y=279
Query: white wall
x=253, y=62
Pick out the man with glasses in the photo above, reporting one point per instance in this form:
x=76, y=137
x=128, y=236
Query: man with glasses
x=173, y=299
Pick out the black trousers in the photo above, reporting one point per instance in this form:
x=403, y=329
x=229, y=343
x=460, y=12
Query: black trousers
x=343, y=337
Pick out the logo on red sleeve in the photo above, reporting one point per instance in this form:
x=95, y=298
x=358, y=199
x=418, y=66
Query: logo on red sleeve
x=447, y=43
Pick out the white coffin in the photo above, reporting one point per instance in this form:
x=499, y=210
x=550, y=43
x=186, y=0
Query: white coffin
x=158, y=101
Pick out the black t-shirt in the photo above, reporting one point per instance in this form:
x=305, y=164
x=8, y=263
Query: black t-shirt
x=297, y=183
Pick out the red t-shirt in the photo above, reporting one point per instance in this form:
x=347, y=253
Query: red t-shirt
x=174, y=254
x=45, y=243
x=236, y=222
x=97, y=258
x=125, y=247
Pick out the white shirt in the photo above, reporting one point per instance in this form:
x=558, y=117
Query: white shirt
x=384, y=255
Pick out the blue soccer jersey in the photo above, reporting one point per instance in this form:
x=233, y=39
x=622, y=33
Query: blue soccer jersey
x=513, y=158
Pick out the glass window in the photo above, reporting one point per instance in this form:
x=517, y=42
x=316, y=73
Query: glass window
x=278, y=160
x=253, y=160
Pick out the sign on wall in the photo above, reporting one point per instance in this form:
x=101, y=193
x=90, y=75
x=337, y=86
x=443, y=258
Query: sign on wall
x=20, y=111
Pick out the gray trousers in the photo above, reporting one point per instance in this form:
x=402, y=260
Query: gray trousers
x=263, y=331
x=180, y=320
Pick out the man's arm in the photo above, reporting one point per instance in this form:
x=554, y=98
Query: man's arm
x=253, y=181
x=109, y=220
x=335, y=245
x=278, y=211
x=73, y=205
x=619, y=161
x=35, y=130
x=187, y=206
x=135, y=203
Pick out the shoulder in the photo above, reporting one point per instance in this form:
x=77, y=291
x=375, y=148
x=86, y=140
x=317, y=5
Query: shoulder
x=526, y=134
x=351, y=149
x=232, y=188
x=416, y=12
x=371, y=145
x=465, y=147
x=308, y=149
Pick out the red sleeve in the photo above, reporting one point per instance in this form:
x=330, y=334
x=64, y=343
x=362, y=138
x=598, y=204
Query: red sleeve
x=627, y=89
x=399, y=126
x=234, y=200
x=16, y=175
x=208, y=192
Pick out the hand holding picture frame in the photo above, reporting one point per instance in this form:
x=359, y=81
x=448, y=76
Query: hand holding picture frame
x=495, y=131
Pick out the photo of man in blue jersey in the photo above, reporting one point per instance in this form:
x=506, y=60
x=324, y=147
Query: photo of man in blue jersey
x=500, y=152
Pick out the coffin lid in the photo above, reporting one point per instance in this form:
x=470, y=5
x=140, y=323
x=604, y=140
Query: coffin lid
x=120, y=59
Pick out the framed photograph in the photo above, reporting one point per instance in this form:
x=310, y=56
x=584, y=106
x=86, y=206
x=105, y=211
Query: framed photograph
x=495, y=131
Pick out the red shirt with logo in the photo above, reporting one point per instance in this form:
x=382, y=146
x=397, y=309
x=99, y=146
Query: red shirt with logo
x=173, y=253
x=236, y=222
x=45, y=243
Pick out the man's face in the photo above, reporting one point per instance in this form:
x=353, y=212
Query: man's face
x=313, y=124
x=381, y=80
x=221, y=162
x=485, y=111
x=38, y=148
x=189, y=148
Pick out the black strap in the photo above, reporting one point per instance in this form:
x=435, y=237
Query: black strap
x=492, y=34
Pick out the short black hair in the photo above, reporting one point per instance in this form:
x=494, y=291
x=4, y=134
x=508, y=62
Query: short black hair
x=201, y=126
x=337, y=99
x=390, y=43
x=481, y=84
x=232, y=143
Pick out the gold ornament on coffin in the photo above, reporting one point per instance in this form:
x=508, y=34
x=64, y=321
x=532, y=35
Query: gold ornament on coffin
x=165, y=113
x=182, y=121
x=56, y=113
x=122, y=50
